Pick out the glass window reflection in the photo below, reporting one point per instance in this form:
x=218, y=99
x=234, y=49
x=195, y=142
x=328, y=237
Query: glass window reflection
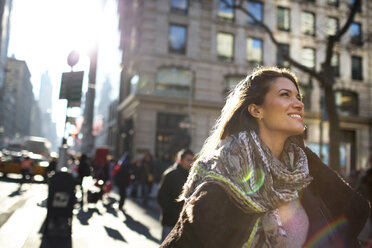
x=255, y=8
x=177, y=39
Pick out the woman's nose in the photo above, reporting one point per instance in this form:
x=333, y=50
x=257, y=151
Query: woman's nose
x=298, y=104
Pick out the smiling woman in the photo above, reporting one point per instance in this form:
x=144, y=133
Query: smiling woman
x=256, y=184
x=281, y=114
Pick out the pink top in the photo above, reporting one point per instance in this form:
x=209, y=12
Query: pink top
x=295, y=222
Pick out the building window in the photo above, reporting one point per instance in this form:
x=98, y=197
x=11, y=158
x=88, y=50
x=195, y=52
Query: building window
x=281, y=50
x=179, y=6
x=308, y=57
x=225, y=47
x=356, y=33
x=306, y=96
x=134, y=84
x=333, y=3
x=335, y=63
x=177, y=39
x=332, y=25
x=346, y=102
x=283, y=19
x=224, y=12
x=308, y=23
x=254, y=51
x=255, y=8
x=173, y=81
x=231, y=81
x=170, y=135
x=356, y=68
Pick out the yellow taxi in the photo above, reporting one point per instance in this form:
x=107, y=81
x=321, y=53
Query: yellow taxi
x=11, y=163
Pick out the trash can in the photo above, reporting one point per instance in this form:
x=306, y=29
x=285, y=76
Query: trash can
x=61, y=200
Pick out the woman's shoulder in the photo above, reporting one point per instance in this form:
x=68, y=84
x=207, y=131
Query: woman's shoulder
x=210, y=188
x=210, y=219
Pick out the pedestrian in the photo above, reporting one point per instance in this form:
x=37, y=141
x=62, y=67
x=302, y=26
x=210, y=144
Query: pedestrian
x=170, y=189
x=121, y=178
x=26, y=170
x=84, y=170
x=111, y=162
x=255, y=183
x=161, y=165
x=146, y=174
x=134, y=177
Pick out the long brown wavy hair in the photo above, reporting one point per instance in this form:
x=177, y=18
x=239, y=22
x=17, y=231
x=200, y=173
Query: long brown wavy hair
x=234, y=115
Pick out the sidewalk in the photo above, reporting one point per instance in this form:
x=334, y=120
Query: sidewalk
x=95, y=225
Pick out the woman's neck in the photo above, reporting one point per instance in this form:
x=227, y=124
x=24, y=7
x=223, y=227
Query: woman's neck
x=274, y=142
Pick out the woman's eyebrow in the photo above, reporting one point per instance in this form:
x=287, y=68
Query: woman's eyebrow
x=285, y=90
x=289, y=91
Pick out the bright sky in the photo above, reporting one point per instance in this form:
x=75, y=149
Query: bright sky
x=44, y=32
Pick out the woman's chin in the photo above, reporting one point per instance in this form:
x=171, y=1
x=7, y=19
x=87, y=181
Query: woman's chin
x=298, y=130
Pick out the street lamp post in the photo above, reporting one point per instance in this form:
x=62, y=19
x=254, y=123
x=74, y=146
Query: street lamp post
x=72, y=60
x=88, y=140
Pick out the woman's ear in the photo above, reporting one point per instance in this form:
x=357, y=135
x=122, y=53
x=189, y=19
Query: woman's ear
x=255, y=111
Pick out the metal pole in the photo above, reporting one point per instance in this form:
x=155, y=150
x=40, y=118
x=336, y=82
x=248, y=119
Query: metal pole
x=321, y=126
x=87, y=145
x=64, y=140
x=62, y=151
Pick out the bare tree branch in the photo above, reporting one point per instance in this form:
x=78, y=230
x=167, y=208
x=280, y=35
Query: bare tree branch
x=336, y=38
x=324, y=76
x=350, y=19
x=292, y=61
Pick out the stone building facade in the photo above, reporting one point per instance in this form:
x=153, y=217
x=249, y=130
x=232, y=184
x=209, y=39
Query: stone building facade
x=19, y=85
x=180, y=58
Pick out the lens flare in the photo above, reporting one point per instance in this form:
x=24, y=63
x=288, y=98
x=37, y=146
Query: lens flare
x=249, y=174
x=322, y=233
x=255, y=179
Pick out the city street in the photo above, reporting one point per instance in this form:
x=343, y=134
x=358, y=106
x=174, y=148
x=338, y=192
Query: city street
x=22, y=216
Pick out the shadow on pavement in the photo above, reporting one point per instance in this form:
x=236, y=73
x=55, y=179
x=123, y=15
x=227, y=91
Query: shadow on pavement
x=138, y=227
x=110, y=209
x=114, y=234
x=15, y=193
x=43, y=203
x=153, y=211
x=83, y=217
x=109, y=206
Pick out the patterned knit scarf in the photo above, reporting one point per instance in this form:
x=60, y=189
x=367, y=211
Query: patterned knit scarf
x=253, y=177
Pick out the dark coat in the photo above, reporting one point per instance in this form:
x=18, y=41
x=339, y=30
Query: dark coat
x=84, y=169
x=169, y=190
x=211, y=219
x=121, y=178
x=146, y=173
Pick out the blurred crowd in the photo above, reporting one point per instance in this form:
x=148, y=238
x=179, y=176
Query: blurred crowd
x=138, y=176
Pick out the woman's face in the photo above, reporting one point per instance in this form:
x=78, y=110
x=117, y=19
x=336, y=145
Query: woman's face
x=282, y=111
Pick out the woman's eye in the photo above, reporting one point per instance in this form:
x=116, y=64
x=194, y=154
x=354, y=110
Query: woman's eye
x=284, y=94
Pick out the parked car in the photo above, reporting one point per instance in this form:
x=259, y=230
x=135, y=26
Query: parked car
x=11, y=163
